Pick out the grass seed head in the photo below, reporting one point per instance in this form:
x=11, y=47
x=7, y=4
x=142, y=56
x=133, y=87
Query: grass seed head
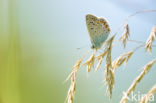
x=122, y=59
x=147, y=97
x=90, y=62
x=109, y=78
x=131, y=89
x=125, y=35
x=150, y=39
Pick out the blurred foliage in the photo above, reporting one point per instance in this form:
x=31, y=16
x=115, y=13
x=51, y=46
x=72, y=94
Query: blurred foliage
x=9, y=53
x=27, y=71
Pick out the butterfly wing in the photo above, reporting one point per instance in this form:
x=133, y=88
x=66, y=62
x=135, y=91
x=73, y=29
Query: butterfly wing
x=98, y=30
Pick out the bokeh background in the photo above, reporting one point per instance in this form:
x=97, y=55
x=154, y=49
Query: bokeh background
x=38, y=41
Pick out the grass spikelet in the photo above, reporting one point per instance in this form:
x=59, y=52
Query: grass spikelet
x=109, y=78
x=72, y=76
x=125, y=35
x=75, y=70
x=100, y=58
x=122, y=59
x=99, y=63
x=129, y=54
x=147, y=97
x=150, y=39
x=72, y=89
x=131, y=89
x=90, y=62
x=118, y=62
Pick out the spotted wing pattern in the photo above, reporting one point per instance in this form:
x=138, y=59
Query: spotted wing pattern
x=98, y=29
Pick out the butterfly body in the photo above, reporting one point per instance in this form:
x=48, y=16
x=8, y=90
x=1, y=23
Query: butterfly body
x=98, y=30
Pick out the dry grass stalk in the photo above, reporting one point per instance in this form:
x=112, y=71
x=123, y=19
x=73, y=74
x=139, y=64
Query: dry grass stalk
x=100, y=58
x=150, y=39
x=122, y=59
x=147, y=97
x=109, y=78
x=125, y=35
x=72, y=88
x=131, y=89
x=90, y=62
x=75, y=70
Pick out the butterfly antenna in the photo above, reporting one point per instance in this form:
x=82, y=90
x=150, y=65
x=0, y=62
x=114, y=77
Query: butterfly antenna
x=82, y=47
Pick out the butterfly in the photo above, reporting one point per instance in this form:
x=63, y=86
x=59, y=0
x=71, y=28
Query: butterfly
x=98, y=30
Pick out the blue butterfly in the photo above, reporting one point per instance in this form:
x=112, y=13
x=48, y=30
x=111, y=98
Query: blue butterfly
x=98, y=30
